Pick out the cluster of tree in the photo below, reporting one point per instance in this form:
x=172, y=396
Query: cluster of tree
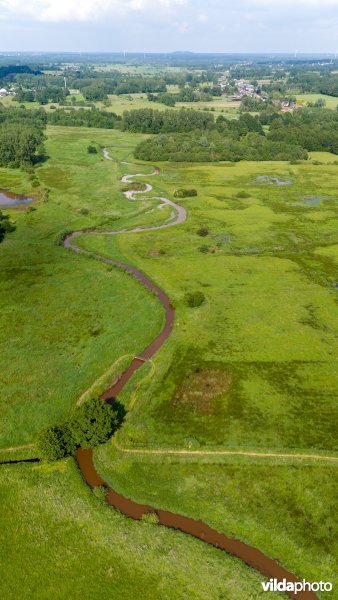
x=5, y=225
x=251, y=104
x=312, y=129
x=214, y=145
x=97, y=87
x=83, y=118
x=314, y=81
x=186, y=94
x=21, y=136
x=135, y=85
x=93, y=423
x=10, y=72
x=43, y=96
x=147, y=120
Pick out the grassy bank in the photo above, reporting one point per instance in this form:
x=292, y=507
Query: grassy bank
x=285, y=509
x=70, y=545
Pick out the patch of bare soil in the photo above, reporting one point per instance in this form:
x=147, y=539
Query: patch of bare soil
x=201, y=388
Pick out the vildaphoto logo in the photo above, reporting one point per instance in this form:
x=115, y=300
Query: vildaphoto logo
x=273, y=585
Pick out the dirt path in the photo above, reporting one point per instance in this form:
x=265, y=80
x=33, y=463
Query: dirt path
x=168, y=452
x=248, y=554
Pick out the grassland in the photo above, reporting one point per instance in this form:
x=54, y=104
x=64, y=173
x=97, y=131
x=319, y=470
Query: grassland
x=272, y=505
x=64, y=319
x=253, y=368
x=71, y=545
x=330, y=101
x=120, y=103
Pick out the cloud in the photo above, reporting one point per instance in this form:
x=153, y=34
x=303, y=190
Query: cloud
x=202, y=18
x=80, y=10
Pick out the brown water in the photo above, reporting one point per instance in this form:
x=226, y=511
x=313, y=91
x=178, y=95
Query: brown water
x=248, y=554
x=251, y=556
x=8, y=198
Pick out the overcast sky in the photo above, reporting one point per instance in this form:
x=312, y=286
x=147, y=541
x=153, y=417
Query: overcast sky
x=168, y=25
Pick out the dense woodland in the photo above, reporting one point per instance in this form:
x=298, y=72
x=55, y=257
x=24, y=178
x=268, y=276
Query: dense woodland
x=214, y=146
x=289, y=137
x=83, y=118
x=21, y=136
x=147, y=120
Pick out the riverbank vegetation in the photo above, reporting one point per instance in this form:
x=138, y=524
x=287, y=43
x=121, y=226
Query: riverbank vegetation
x=92, y=423
x=72, y=545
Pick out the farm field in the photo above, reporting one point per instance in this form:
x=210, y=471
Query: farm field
x=252, y=369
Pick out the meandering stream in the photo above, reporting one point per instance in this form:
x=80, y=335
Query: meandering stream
x=248, y=554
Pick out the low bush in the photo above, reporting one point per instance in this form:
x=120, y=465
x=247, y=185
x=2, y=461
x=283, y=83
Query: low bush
x=60, y=237
x=203, y=231
x=151, y=518
x=184, y=193
x=5, y=225
x=194, y=299
x=100, y=492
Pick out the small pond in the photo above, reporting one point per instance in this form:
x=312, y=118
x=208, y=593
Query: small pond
x=313, y=200
x=7, y=198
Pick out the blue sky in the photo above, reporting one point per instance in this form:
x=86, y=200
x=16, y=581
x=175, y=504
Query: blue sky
x=168, y=25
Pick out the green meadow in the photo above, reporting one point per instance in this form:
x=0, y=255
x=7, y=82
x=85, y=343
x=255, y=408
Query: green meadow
x=286, y=509
x=65, y=319
x=255, y=366
x=72, y=545
x=330, y=101
x=252, y=369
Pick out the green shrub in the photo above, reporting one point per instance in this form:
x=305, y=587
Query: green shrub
x=84, y=211
x=151, y=518
x=243, y=194
x=100, y=492
x=203, y=231
x=204, y=249
x=5, y=225
x=184, y=193
x=60, y=237
x=194, y=299
x=91, y=149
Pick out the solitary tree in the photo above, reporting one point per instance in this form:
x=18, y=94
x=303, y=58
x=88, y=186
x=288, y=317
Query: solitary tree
x=55, y=442
x=93, y=423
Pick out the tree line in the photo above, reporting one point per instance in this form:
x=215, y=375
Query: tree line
x=83, y=118
x=148, y=120
x=213, y=145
